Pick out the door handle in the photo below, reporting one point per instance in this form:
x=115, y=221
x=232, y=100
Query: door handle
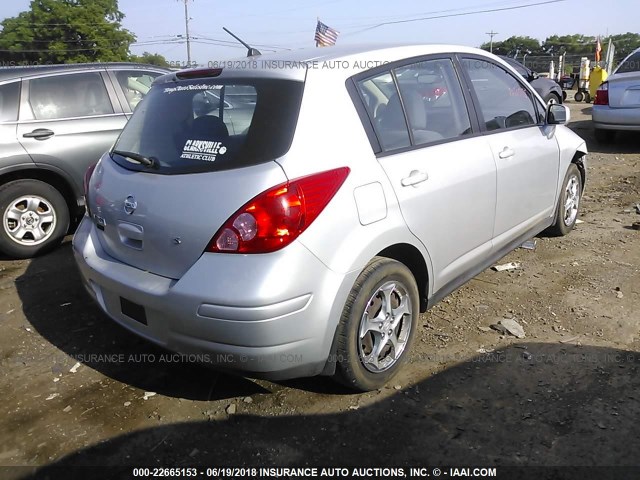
x=506, y=153
x=39, y=134
x=414, y=178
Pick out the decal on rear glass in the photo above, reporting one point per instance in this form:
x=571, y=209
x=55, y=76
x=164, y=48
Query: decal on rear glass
x=186, y=88
x=204, y=150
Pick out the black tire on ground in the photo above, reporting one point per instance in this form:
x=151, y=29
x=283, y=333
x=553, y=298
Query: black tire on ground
x=604, y=136
x=587, y=98
x=48, y=202
x=367, y=299
x=578, y=96
x=566, y=220
x=552, y=98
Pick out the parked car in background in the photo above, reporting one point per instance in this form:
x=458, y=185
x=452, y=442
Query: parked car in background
x=548, y=89
x=310, y=242
x=617, y=104
x=55, y=121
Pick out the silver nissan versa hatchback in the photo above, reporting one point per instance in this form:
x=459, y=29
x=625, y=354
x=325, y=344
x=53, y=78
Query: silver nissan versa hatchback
x=368, y=184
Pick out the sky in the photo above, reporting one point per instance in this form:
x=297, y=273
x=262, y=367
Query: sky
x=290, y=24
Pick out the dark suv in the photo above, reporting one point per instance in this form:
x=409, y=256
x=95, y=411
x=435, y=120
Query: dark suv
x=55, y=121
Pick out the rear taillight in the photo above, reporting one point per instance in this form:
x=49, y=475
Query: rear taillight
x=277, y=216
x=85, y=185
x=602, y=95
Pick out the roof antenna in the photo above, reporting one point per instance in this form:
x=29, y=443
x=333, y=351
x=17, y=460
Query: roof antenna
x=251, y=52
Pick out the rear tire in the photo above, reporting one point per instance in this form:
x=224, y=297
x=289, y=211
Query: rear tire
x=604, y=136
x=35, y=218
x=568, y=203
x=377, y=326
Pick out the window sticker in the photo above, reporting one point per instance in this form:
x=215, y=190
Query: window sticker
x=204, y=150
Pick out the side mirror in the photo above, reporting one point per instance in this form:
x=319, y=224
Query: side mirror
x=558, y=114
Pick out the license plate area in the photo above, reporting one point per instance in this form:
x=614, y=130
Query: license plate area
x=133, y=311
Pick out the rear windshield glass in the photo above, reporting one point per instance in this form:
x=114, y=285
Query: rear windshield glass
x=631, y=64
x=207, y=125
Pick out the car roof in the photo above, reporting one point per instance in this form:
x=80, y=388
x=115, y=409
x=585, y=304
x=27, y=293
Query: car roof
x=294, y=64
x=10, y=73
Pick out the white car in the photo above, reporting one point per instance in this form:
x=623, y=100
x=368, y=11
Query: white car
x=370, y=183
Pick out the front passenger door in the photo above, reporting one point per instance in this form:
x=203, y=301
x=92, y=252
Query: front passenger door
x=525, y=149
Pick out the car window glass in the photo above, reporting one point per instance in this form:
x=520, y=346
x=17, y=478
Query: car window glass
x=433, y=100
x=385, y=110
x=68, y=96
x=631, y=64
x=504, y=101
x=135, y=84
x=183, y=128
x=9, y=100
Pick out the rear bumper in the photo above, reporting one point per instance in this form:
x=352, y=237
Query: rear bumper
x=607, y=118
x=270, y=316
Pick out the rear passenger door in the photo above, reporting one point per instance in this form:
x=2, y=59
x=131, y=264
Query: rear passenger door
x=525, y=149
x=444, y=177
x=67, y=121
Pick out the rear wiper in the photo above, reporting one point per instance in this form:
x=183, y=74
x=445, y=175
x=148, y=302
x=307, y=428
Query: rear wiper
x=146, y=161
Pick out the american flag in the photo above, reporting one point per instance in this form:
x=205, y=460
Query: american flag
x=325, y=35
x=598, y=49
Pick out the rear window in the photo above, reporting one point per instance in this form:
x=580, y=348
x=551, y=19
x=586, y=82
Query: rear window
x=207, y=125
x=630, y=64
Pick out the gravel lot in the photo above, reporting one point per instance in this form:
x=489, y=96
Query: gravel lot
x=78, y=389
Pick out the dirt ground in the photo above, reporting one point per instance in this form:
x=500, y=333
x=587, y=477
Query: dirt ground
x=76, y=389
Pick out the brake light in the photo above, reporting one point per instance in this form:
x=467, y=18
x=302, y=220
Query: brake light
x=85, y=185
x=87, y=178
x=199, y=73
x=276, y=217
x=602, y=94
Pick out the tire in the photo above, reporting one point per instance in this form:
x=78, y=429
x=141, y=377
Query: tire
x=357, y=365
x=578, y=96
x=587, y=98
x=604, y=136
x=35, y=218
x=568, y=203
x=552, y=98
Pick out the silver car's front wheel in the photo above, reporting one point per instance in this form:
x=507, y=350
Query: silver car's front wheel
x=569, y=202
x=35, y=217
x=377, y=325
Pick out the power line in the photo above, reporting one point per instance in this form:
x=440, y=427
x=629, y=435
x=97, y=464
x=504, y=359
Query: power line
x=491, y=35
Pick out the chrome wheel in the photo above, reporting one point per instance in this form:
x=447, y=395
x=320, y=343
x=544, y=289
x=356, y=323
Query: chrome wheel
x=385, y=327
x=29, y=220
x=572, y=200
x=552, y=100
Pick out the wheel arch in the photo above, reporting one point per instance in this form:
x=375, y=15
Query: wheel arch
x=57, y=180
x=411, y=257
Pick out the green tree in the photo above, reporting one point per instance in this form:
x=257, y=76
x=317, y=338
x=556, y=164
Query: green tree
x=150, y=58
x=66, y=31
x=625, y=43
x=513, y=45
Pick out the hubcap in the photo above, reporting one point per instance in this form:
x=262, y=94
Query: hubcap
x=29, y=220
x=572, y=201
x=385, y=327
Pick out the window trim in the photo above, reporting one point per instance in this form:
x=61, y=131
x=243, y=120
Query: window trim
x=9, y=82
x=368, y=124
x=480, y=117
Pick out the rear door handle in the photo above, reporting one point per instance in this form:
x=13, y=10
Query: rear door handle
x=506, y=153
x=39, y=134
x=414, y=178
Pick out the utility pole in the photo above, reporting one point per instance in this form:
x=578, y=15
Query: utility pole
x=186, y=26
x=491, y=34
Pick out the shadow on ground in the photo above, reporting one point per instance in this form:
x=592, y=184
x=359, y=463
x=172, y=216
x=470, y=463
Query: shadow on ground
x=623, y=142
x=530, y=404
x=58, y=307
